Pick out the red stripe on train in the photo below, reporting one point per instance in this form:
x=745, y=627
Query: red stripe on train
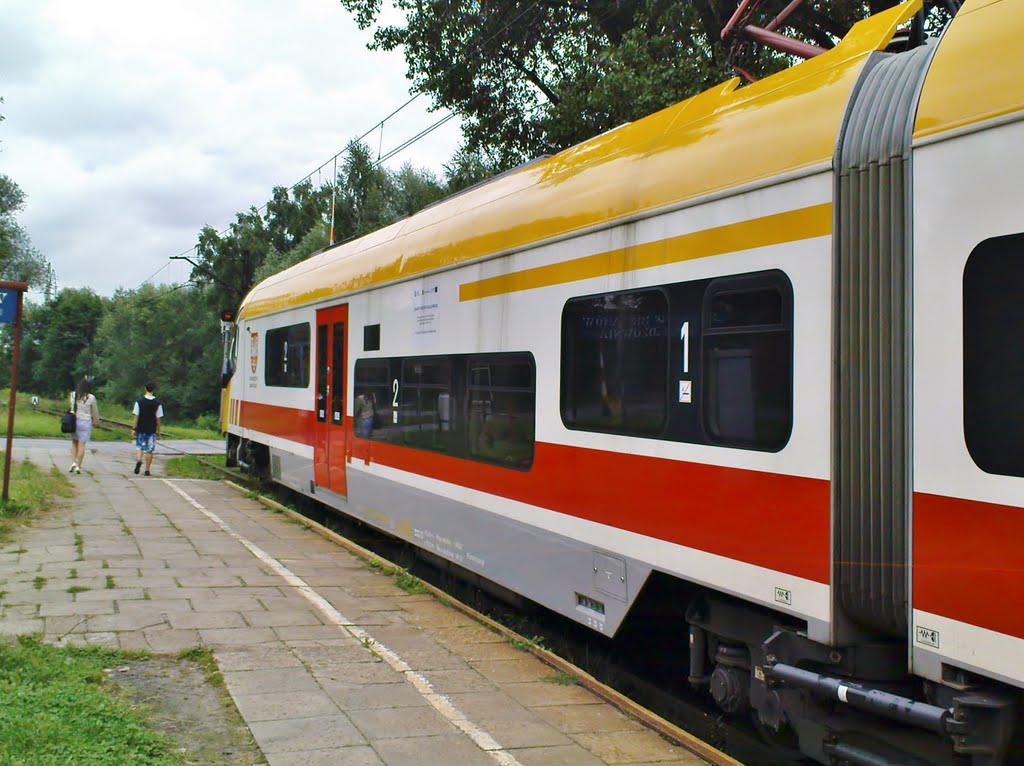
x=770, y=520
x=284, y=422
x=969, y=562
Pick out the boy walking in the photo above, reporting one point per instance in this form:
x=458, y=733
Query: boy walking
x=146, y=427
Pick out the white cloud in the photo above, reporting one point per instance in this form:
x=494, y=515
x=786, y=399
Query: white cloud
x=131, y=125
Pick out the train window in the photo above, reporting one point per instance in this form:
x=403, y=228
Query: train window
x=615, y=362
x=374, y=413
x=747, y=361
x=500, y=409
x=476, y=406
x=425, y=403
x=371, y=337
x=321, y=373
x=994, y=355
x=708, y=361
x=287, y=356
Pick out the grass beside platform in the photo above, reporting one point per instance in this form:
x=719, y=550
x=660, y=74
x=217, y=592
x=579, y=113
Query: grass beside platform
x=32, y=422
x=191, y=467
x=56, y=710
x=31, y=490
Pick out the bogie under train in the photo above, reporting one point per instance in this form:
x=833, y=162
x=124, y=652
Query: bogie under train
x=763, y=348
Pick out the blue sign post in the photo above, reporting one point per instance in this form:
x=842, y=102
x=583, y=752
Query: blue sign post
x=9, y=304
x=11, y=294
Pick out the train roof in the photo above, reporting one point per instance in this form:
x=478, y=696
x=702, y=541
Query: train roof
x=964, y=88
x=720, y=139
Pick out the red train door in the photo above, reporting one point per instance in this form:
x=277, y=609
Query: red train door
x=329, y=446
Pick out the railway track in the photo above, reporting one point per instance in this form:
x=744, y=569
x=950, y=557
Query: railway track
x=105, y=424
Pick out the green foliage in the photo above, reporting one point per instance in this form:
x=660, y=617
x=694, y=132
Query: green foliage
x=56, y=711
x=56, y=341
x=467, y=168
x=315, y=240
x=165, y=335
x=415, y=189
x=203, y=657
x=31, y=491
x=292, y=214
x=192, y=467
x=561, y=679
x=19, y=260
x=227, y=265
x=532, y=79
x=365, y=197
x=409, y=583
x=34, y=423
x=524, y=644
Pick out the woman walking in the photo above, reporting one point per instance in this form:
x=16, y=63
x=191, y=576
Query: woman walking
x=83, y=404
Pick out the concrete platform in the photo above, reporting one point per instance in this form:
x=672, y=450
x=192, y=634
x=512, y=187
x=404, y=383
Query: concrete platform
x=327, y=660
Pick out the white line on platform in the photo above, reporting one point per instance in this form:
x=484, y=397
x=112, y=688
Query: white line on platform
x=439, y=702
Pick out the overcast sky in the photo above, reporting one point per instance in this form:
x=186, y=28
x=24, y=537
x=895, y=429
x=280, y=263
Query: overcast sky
x=130, y=125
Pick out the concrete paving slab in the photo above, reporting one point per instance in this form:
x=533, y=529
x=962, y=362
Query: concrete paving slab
x=442, y=749
x=318, y=733
x=386, y=722
x=357, y=755
x=517, y=734
x=288, y=679
x=354, y=696
x=633, y=747
x=284, y=706
x=327, y=660
x=569, y=755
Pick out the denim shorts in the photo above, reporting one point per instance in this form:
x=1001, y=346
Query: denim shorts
x=145, y=442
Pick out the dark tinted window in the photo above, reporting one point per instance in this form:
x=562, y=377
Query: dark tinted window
x=321, y=373
x=748, y=361
x=425, y=402
x=501, y=409
x=373, y=383
x=477, y=406
x=994, y=355
x=708, y=361
x=287, y=354
x=615, y=362
x=338, y=372
x=371, y=337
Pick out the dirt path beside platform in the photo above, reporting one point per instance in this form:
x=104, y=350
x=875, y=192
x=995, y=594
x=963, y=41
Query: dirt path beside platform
x=197, y=713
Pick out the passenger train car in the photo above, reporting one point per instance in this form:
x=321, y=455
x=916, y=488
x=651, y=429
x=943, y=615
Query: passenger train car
x=757, y=358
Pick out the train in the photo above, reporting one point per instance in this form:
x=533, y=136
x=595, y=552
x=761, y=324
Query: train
x=754, y=362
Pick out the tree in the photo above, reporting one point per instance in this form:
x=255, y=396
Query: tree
x=292, y=214
x=532, y=78
x=315, y=240
x=19, y=260
x=164, y=334
x=468, y=168
x=415, y=189
x=71, y=320
x=365, y=196
x=35, y=319
x=227, y=265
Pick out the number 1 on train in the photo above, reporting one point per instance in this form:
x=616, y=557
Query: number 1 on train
x=684, y=336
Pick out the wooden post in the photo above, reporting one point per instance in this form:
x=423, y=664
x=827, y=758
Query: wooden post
x=20, y=287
